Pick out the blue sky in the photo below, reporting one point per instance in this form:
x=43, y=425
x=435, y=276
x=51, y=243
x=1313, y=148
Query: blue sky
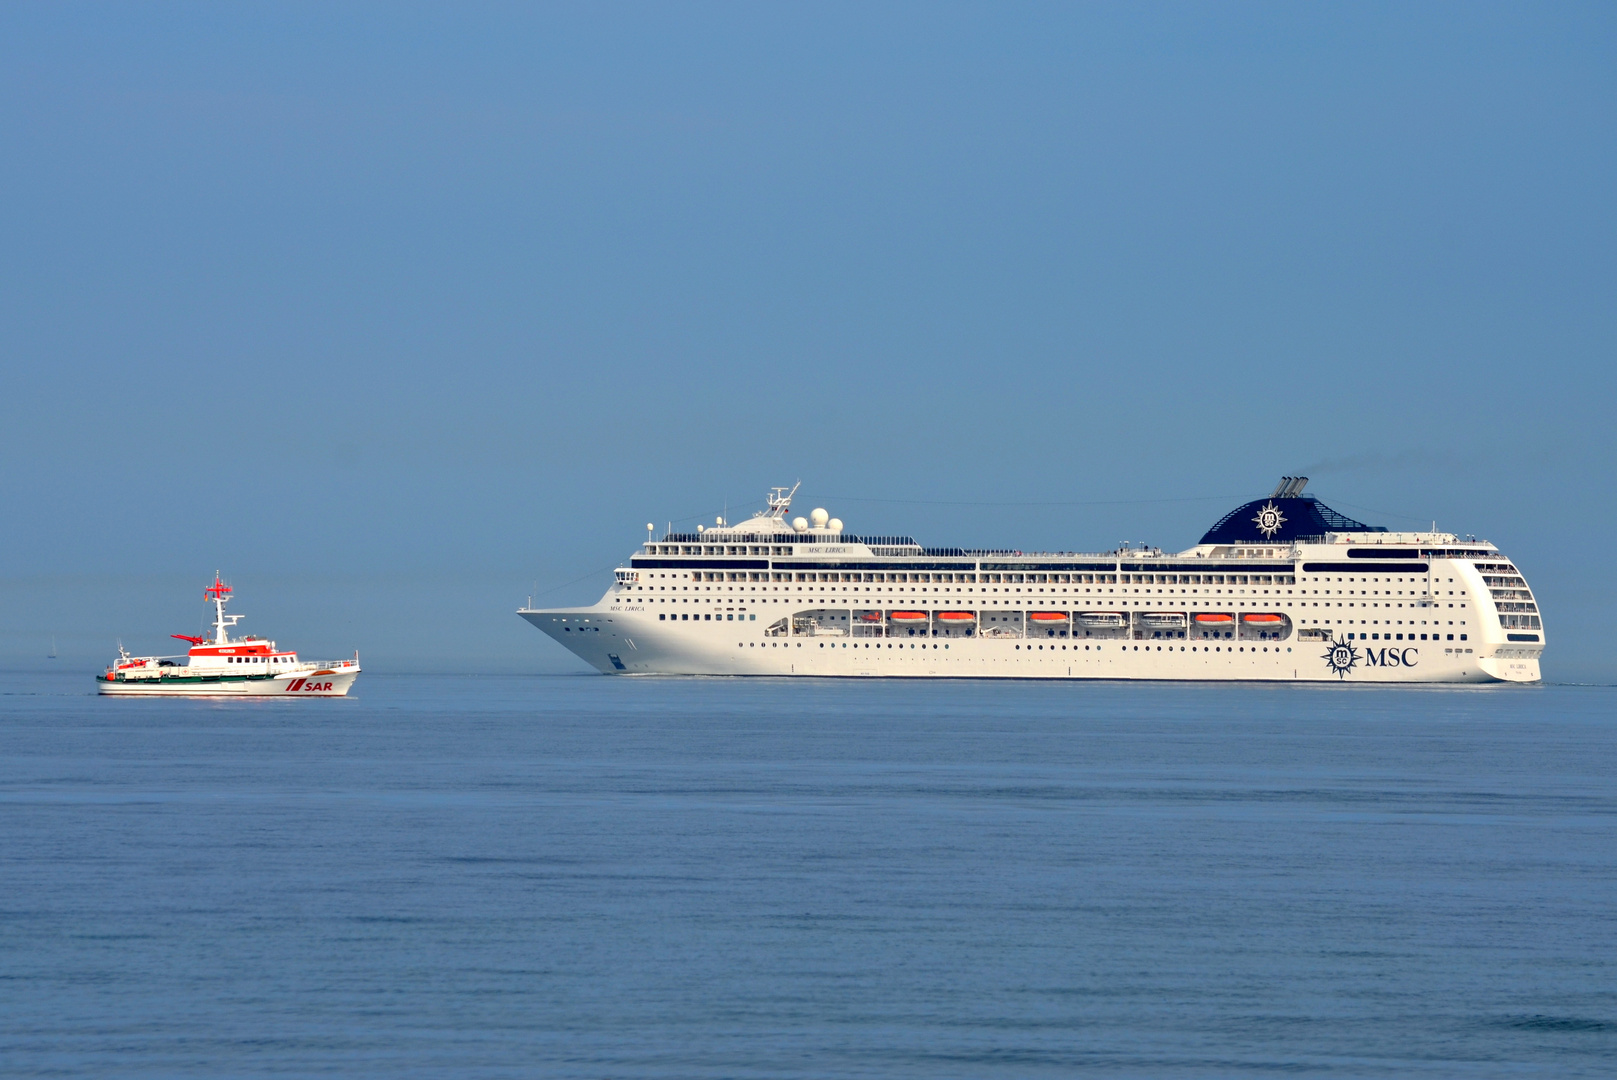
x=395, y=313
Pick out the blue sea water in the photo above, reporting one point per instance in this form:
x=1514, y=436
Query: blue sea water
x=596, y=877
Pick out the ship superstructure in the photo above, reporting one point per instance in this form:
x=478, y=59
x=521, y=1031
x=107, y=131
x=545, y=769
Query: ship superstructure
x=1281, y=588
x=226, y=666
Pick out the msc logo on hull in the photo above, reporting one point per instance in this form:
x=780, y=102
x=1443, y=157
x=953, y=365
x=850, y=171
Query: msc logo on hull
x=1342, y=657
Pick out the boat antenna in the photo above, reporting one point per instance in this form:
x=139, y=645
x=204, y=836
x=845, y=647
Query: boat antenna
x=218, y=594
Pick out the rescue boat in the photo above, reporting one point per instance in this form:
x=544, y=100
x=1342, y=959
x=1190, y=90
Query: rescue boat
x=227, y=667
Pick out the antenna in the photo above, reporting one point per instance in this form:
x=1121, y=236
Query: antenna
x=780, y=500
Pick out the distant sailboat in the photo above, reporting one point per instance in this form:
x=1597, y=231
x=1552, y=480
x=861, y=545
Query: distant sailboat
x=52, y=656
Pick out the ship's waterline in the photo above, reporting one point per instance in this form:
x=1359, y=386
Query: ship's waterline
x=1282, y=588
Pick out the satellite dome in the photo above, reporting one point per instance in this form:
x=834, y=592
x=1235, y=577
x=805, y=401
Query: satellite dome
x=835, y=525
x=818, y=517
x=800, y=524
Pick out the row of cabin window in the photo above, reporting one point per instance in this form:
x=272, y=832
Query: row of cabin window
x=1052, y=579
x=718, y=549
x=912, y=578
x=957, y=578
x=765, y=575
x=1209, y=579
x=1005, y=579
x=705, y=618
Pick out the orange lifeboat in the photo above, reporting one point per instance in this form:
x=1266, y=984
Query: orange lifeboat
x=957, y=616
x=907, y=617
x=1263, y=620
x=870, y=616
x=1047, y=617
x=1209, y=619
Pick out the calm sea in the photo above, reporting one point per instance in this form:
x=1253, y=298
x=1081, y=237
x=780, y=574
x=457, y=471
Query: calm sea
x=596, y=877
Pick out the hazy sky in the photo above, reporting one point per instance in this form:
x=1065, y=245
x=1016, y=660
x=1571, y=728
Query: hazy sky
x=391, y=312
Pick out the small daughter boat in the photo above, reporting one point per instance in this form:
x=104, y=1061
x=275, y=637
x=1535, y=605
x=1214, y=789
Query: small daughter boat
x=225, y=666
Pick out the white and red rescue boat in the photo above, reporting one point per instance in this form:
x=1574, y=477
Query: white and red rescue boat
x=227, y=667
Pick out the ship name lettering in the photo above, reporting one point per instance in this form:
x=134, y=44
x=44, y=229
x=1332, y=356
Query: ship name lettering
x=1391, y=657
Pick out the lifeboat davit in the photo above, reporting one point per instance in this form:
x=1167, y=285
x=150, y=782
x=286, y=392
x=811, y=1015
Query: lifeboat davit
x=907, y=617
x=1047, y=616
x=1263, y=620
x=1209, y=619
x=957, y=616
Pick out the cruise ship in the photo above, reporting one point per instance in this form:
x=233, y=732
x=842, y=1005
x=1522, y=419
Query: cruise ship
x=1280, y=588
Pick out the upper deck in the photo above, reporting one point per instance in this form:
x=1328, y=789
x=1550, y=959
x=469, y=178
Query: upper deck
x=1273, y=534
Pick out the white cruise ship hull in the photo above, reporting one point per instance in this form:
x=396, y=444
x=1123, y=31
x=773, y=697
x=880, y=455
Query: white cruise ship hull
x=626, y=642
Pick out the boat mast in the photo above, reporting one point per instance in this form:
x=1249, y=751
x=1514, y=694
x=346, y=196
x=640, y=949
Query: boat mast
x=780, y=501
x=218, y=594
